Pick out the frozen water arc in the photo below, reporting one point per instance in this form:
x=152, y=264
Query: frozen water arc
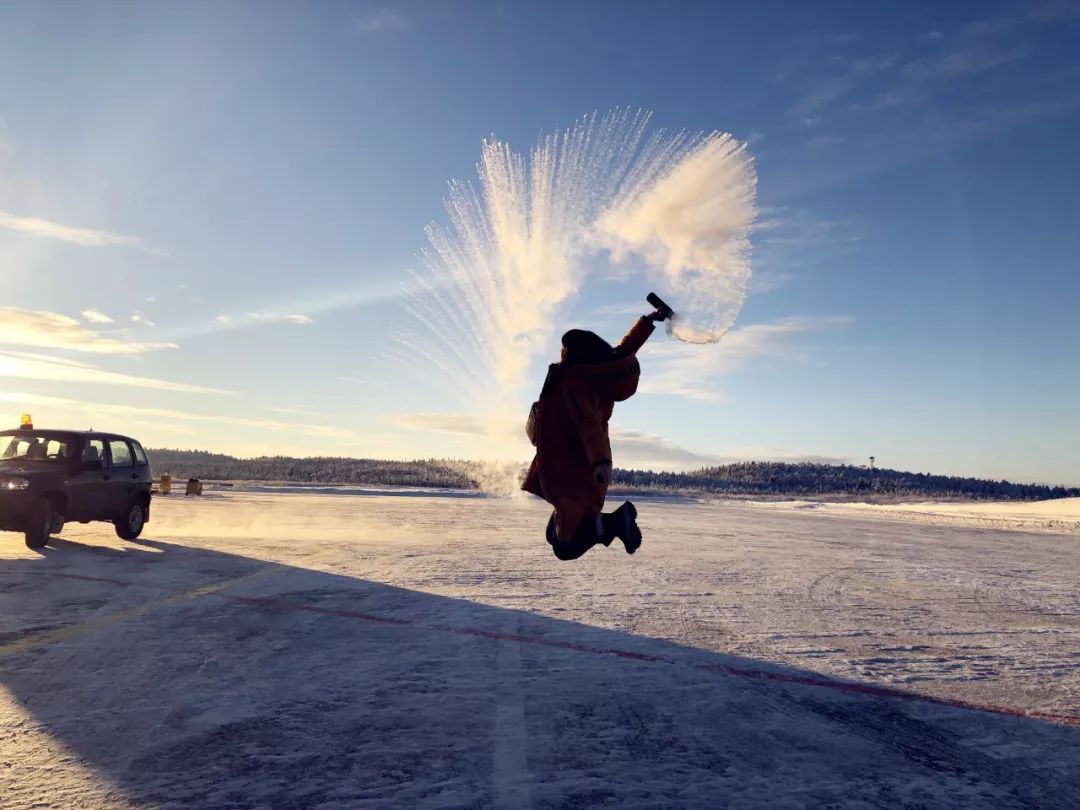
x=519, y=242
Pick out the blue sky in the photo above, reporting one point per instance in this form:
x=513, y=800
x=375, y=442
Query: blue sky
x=242, y=188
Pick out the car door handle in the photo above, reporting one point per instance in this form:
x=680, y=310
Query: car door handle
x=106, y=478
x=134, y=476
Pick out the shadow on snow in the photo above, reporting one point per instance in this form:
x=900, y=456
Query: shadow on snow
x=191, y=677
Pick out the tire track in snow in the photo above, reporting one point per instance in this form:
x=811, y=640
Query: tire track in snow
x=510, y=770
x=811, y=680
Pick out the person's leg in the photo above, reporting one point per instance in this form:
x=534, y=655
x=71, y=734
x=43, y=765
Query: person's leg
x=622, y=523
x=589, y=532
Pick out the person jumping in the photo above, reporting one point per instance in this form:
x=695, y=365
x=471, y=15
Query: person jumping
x=568, y=425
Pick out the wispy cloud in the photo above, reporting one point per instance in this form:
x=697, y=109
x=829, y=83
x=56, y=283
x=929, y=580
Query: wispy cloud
x=937, y=63
x=87, y=237
x=142, y=321
x=267, y=317
x=98, y=410
x=50, y=330
x=971, y=60
x=26, y=366
x=634, y=448
x=822, y=92
x=459, y=423
x=382, y=22
x=693, y=372
x=296, y=312
x=787, y=225
x=766, y=281
x=288, y=411
x=96, y=316
x=788, y=239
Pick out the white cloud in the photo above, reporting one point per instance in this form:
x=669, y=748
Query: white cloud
x=26, y=366
x=382, y=21
x=693, y=372
x=300, y=320
x=633, y=448
x=225, y=320
x=96, y=316
x=50, y=330
x=139, y=319
x=45, y=229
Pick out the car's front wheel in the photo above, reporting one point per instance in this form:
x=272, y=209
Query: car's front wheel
x=42, y=520
x=130, y=526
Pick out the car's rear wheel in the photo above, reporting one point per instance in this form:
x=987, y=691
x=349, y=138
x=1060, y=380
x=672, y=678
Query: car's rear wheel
x=42, y=520
x=130, y=526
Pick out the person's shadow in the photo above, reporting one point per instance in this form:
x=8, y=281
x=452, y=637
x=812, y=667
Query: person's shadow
x=185, y=677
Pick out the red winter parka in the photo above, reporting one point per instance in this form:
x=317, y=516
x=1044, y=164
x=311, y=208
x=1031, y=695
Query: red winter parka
x=570, y=430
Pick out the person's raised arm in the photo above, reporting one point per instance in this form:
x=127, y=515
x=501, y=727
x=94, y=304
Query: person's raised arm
x=640, y=332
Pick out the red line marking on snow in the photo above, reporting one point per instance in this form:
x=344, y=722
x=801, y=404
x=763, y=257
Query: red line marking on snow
x=889, y=692
x=737, y=672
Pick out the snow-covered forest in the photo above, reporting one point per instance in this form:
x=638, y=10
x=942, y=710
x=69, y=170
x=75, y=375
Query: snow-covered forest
x=748, y=478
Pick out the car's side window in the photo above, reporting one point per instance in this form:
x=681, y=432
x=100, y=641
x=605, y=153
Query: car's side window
x=121, y=454
x=140, y=454
x=94, y=451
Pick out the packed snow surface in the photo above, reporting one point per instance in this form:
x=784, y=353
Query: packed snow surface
x=1057, y=516
x=286, y=650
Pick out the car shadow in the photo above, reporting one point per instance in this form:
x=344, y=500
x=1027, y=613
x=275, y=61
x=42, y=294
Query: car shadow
x=185, y=677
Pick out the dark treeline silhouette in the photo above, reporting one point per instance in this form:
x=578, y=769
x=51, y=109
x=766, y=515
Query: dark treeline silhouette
x=182, y=464
x=752, y=478
x=818, y=480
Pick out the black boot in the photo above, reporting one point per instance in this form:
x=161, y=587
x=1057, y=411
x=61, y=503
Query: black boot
x=622, y=523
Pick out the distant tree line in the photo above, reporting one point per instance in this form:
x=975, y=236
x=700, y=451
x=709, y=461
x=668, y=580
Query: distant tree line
x=809, y=480
x=752, y=478
x=182, y=464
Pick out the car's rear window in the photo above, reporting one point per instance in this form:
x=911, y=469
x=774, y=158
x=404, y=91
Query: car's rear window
x=33, y=447
x=140, y=454
x=121, y=454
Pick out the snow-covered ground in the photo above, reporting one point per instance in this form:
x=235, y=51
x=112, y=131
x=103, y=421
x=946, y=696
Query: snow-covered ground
x=1056, y=516
x=344, y=650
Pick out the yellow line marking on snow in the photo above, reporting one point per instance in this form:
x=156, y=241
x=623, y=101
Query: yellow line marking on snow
x=47, y=638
